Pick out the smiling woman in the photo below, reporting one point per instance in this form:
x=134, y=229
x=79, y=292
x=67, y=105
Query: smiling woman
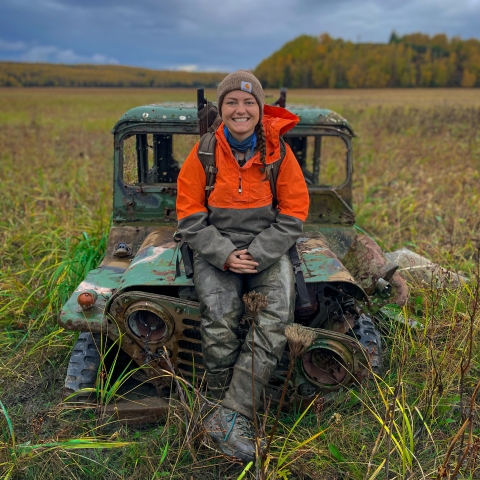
x=240, y=113
x=240, y=243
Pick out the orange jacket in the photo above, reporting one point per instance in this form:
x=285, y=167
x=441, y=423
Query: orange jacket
x=240, y=212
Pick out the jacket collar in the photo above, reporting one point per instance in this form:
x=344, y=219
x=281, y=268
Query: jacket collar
x=276, y=121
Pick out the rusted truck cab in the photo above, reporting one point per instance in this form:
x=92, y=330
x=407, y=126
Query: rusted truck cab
x=140, y=296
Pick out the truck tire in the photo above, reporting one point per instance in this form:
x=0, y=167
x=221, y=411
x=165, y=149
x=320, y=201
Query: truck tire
x=83, y=367
x=366, y=333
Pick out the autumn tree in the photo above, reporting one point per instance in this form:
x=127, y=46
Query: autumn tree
x=415, y=60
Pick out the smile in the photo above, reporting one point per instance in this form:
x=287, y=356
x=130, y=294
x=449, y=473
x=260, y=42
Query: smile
x=241, y=119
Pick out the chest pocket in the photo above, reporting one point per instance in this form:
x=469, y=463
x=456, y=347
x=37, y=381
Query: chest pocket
x=240, y=188
x=253, y=188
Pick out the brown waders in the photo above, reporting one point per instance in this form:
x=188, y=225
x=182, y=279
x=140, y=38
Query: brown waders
x=227, y=360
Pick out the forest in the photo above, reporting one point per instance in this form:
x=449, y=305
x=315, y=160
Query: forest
x=16, y=74
x=415, y=60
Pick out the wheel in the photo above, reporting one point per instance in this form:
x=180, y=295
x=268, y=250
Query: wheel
x=83, y=367
x=365, y=332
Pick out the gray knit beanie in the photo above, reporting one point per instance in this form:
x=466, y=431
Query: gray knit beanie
x=241, y=80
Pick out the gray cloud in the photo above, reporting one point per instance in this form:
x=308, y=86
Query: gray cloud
x=207, y=34
x=57, y=55
x=5, y=45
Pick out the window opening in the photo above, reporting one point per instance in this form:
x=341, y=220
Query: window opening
x=323, y=159
x=154, y=158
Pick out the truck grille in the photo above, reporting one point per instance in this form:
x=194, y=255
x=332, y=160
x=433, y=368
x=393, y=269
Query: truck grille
x=189, y=356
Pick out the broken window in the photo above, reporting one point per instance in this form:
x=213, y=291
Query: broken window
x=154, y=158
x=323, y=159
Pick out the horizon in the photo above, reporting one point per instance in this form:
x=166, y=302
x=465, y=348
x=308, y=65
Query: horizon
x=187, y=70
x=200, y=36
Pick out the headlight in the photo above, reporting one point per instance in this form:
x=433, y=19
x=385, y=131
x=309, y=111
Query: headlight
x=327, y=364
x=148, y=320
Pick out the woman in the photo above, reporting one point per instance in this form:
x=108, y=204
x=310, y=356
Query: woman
x=240, y=240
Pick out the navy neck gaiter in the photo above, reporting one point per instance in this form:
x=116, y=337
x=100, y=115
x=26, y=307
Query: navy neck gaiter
x=243, y=146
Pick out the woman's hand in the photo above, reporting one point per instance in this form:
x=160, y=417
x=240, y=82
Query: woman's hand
x=240, y=261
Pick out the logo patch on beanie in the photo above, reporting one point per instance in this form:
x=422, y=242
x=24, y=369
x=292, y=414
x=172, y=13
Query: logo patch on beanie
x=246, y=87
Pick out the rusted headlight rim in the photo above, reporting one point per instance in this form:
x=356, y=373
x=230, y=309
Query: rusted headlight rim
x=161, y=333
x=335, y=347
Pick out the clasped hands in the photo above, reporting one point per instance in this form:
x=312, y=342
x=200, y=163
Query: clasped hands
x=240, y=261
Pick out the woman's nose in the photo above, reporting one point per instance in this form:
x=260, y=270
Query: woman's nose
x=241, y=108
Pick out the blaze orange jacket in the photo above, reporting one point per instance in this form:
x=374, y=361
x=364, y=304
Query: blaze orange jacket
x=240, y=213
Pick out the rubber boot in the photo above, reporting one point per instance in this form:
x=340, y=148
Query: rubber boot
x=265, y=341
x=233, y=433
x=239, y=396
x=218, y=384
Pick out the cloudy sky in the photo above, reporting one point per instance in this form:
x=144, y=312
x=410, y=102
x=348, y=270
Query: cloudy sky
x=209, y=34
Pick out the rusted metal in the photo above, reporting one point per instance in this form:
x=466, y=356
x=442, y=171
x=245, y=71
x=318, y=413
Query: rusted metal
x=135, y=412
x=320, y=264
x=122, y=249
x=146, y=303
x=368, y=264
x=340, y=324
x=333, y=360
x=87, y=298
x=149, y=201
x=421, y=271
x=179, y=334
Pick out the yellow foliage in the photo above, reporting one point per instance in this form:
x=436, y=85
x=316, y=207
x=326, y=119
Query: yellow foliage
x=14, y=74
x=468, y=79
x=415, y=60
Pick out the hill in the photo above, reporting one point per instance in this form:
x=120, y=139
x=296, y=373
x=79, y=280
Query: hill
x=15, y=74
x=414, y=60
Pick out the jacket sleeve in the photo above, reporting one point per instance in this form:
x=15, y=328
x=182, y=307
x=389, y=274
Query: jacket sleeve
x=192, y=214
x=293, y=200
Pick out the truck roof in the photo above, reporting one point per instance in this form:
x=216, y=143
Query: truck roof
x=186, y=113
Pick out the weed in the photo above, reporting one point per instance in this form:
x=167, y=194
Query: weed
x=416, y=185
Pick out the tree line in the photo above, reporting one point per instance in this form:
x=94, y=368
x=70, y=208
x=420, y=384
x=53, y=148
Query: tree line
x=415, y=60
x=15, y=74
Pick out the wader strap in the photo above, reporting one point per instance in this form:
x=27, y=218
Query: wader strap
x=178, y=272
x=187, y=257
x=304, y=298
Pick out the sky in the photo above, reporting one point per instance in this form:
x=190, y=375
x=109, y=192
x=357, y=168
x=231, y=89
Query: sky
x=210, y=35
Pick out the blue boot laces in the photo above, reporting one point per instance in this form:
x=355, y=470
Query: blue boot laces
x=243, y=425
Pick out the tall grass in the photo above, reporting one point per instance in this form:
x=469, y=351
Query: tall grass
x=417, y=164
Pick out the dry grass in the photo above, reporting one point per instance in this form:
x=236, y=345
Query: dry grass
x=417, y=165
x=340, y=99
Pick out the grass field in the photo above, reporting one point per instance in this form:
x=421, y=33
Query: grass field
x=416, y=184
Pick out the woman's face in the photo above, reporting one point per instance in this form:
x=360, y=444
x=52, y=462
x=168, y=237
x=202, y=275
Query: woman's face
x=240, y=113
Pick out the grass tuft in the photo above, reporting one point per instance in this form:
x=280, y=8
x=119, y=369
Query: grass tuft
x=417, y=159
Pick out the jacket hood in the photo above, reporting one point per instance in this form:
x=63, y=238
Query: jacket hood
x=276, y=122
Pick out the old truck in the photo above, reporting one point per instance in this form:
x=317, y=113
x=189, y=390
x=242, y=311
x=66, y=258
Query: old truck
x=140, y=297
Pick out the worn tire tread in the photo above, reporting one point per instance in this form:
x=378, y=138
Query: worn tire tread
x=366, y=333
x=83, y=366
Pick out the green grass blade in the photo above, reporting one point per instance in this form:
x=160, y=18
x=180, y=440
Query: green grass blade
x=9, y=423
x=245, y=470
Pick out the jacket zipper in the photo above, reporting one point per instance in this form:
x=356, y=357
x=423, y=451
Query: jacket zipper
x=240, y=184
